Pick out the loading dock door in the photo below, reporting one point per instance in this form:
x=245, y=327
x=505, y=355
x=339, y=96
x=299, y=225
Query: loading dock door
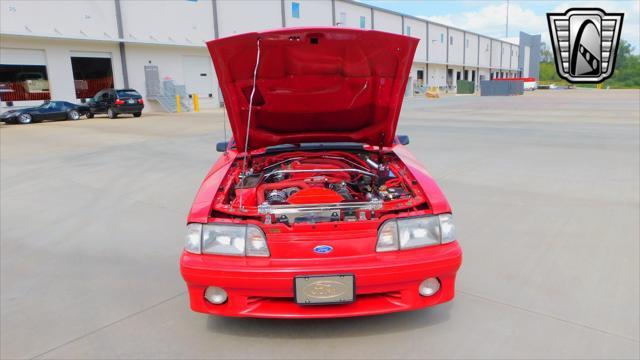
x=199, y=77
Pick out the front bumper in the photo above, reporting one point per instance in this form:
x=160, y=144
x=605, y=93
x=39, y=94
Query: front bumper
x=385, y=282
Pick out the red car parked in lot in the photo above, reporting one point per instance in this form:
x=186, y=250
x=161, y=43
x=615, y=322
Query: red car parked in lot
x=316, y=208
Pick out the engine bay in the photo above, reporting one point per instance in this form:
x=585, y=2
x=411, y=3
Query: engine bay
x=313, y=187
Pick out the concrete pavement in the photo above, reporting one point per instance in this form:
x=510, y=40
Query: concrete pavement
x=545, y=190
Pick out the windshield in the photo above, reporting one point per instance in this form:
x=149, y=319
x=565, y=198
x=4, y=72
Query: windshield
x=128, y=93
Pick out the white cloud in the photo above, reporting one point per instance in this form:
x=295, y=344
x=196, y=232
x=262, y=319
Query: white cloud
x=491, y=19
x=631, y=10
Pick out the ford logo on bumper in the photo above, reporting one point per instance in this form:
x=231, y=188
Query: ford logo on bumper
x=323, y=249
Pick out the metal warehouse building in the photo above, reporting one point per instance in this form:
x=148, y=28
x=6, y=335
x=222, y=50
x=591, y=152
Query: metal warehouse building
x=68, y=50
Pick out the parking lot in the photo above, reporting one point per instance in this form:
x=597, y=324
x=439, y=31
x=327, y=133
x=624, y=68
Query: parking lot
x=545, y=188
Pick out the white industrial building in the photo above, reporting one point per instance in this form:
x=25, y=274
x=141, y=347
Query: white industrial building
x=67, y=50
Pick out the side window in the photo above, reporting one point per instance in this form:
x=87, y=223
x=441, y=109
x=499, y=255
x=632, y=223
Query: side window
x=295, y=10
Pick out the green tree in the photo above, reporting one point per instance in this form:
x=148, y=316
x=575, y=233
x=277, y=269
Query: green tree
x=624, y=53
x=546, y=55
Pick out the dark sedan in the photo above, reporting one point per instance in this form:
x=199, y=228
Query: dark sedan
x=52, y=110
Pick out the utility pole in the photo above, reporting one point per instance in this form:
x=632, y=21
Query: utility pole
x=507, y=30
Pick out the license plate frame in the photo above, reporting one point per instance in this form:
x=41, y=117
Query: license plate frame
x=343, y=285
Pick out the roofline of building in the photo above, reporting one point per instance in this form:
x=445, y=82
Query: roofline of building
x=377, y=8
x=105, y=40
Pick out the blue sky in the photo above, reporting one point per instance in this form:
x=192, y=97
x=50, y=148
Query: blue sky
x=489, y=17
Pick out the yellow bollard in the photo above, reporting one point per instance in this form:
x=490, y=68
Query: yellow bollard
x=196, y=103
x=177, y=103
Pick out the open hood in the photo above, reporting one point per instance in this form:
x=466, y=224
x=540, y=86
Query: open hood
x=314, y=85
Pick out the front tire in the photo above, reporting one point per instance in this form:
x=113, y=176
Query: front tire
x=138, y=114
x=25, y=119
x=73, y=115
x=112, y=114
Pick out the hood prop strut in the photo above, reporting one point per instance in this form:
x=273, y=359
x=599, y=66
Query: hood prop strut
x=243, y=173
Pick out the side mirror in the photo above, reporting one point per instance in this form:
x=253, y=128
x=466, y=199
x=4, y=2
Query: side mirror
x=222, y=146
x=403, y=139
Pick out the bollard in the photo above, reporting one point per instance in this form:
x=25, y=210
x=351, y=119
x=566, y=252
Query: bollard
x=177, y=103
x=196, y=103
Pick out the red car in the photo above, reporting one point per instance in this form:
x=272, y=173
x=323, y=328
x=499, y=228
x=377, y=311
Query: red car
x=316, y=208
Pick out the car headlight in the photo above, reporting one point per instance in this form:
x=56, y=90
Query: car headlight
x=222, y=239
x=409, y=233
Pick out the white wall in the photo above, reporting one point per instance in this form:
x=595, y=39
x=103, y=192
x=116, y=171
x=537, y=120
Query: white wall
x=418, y=30
x=64, y=18
x=58, y=61
x=237, y=17
x=384, y=21
x=514, y=57
x=471, y=50
x=353, y=13
x=495, y=54
x=456, y=50
x=485, y=52
x=437, y=75
x=484, y=72
x=437, y=44
x=312, y=13
x=177, y=22
x=170, y=62
x=506, y=55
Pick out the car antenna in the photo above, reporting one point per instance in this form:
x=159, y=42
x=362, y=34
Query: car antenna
x=246, y=136
x=224, y=125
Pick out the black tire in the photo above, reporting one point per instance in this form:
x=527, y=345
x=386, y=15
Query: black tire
x=25, y=119
x=73, y=115
x=112, y=114
x=89, y=115
x=138, y=114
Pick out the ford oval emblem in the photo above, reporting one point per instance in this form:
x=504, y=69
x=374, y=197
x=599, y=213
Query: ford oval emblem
x=323, y=249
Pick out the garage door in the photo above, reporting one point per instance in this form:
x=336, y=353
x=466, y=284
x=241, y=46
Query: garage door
x=23, y=75
x=199, y=77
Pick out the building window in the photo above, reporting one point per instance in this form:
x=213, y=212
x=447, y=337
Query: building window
x=467, y=43
x=451, y=40
x=441, y=38
x=295, y=10
x=408, y=31
x=90, y=75
x=343, y=19
x=24, y=82
x=363, y=22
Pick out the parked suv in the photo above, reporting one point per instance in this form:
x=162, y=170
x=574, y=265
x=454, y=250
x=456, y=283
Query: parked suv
x=114, y=102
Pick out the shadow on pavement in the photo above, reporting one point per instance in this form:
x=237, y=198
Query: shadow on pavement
x=330, y=328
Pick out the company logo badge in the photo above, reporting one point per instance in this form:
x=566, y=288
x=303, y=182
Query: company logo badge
x=585, y=41
x=323, y=249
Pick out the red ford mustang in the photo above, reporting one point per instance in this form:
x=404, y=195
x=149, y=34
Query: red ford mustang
x=316, y=208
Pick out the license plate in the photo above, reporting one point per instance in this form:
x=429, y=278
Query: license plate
x=131, y=101
x=324, y=289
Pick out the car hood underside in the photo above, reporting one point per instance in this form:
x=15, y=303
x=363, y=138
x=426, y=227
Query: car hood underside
x=313, y=84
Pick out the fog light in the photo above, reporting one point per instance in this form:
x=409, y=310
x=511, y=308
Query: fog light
x=429, y=287
x=215, y=295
